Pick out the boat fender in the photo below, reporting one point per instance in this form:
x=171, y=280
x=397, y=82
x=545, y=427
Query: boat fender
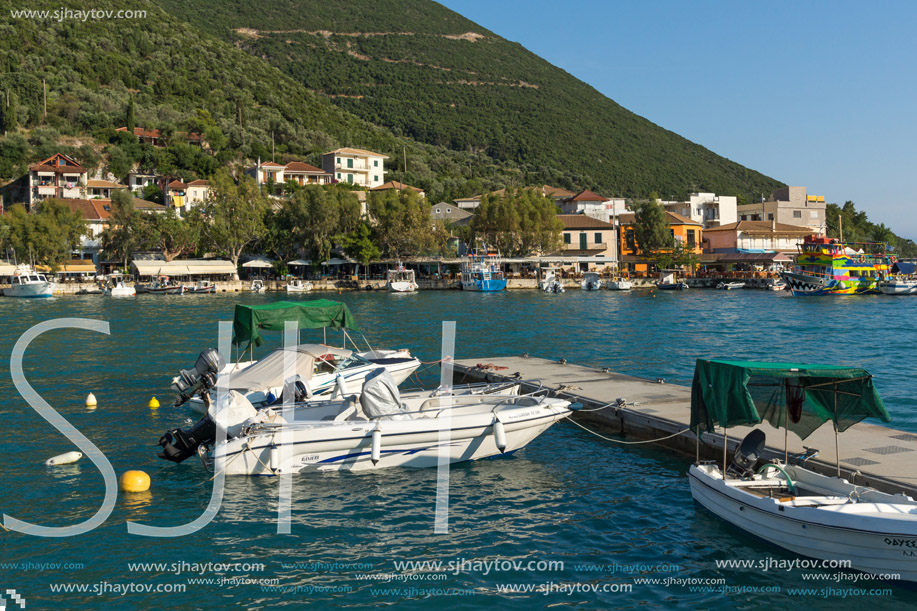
x=64, y=459
x=275, y=457
x=575, y=407
x=499, y=435
x=377, y=446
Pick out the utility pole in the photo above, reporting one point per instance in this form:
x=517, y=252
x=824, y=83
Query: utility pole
x=44, y=89
x=404, y=150
x=840, y=224
x=272, y=147
x=241, y=127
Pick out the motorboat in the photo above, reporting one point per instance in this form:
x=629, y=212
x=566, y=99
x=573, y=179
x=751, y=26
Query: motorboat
x=619, y=284
x=482, y=272
x=163, y=285
x=318, y=364
x=296, y=285
x=551, y=283
x=114, y=287
x=199, y=287
x=27, y=283
x=897, y=286
x=775, y=285
x=783, y=501
x=730, y=286
x=257, y=286
x=400, y=280
x=591, y=281
x=382, y=428
x=668, y=281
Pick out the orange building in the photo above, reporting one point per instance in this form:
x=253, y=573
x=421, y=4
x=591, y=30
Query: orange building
x=685, y=231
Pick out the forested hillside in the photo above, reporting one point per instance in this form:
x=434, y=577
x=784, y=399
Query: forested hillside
x=428, y=73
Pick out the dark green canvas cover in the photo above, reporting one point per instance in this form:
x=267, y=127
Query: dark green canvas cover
x=794, y=395
x=315, y=314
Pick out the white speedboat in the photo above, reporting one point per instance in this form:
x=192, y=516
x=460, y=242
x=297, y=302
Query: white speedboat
x=730, y=286
x=775, y=285
x=551, y=283
x=27, y=283
x=257, y=286
x=897, y=286
x=591, y=281
x=383, y=428
x=790, y=505
x=620, y=284
x=200, y=287
x=400, y=280
x=115, y=287
x=318, y=365
x=295, y=285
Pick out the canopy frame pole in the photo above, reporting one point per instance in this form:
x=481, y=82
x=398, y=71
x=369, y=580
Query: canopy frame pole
x=697, y=445
x=786, y=423
x=725, y=448
x=837, y=453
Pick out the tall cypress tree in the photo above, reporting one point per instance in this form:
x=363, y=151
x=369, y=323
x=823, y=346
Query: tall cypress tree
x=129, y=121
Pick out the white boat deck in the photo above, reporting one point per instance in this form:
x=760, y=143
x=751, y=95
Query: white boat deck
x=884, y=457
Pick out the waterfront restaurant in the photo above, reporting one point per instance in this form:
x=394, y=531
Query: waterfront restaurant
x=686, y=232
x=188, y=269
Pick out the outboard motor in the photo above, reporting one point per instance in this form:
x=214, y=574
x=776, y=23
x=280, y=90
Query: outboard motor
x=179, y=444
x=202, y=376
x=747, y=454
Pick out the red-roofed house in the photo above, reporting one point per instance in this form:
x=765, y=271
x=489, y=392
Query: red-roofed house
x=146, y=136
x=592, y=204
x=585, y=236
x=687, y=232
x=278, y=174
x=57, y=176
x=394, y=185
x=196, y=192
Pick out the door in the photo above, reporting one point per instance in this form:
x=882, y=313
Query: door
x=582, y=241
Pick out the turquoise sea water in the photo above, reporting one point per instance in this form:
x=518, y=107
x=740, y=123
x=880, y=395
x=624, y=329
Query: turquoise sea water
x=610, y=514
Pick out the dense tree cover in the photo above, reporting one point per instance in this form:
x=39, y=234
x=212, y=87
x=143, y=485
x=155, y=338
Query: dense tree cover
x=359, y=245
x=650, y=228
x=173, y=236
x=402, y=226
x=858, y=228
x=308, y=221
x=46, y=236
x=232, y=218
x=519, y=222
x=417, y=71
x=126, y=232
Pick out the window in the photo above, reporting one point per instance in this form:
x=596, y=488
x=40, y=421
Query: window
x=797, y=214
x=350, y=163
x=438, y=211
x=691, y=241
x=770, y=216
x=375, y=163
x=629, y=240
x=339, y=175
x=375, y=179
x=448, y=210
x=350, y=178
x=583, y=240
x=598, y=237
x=566, y=238
x=337, y=160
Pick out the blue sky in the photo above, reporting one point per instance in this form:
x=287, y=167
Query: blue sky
x=813, y=93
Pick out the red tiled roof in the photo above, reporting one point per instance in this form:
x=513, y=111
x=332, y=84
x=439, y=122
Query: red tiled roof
x=51, y=164
x=142, y=132
x=199, y=183
x=90, y=209
x=582, y=221
x=104, y=184
x=671, y=218
x=178, y=185
x=587, y=196
x=299, y=166
x=271, y=164
x=763, y=227
x=395, y=185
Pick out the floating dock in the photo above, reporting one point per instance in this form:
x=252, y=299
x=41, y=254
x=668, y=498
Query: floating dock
x=643, y=409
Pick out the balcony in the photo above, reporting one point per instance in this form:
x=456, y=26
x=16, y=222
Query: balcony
x=591, y=246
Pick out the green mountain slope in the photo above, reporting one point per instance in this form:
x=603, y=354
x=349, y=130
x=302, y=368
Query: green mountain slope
x=428, y=73
x=173, y=70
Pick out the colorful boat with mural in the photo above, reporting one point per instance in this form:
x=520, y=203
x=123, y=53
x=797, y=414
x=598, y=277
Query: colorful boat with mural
x=826, y=266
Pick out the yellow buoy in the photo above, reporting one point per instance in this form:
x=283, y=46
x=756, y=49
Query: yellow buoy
x=91, y=400
x=135, y=481
x=153, y=404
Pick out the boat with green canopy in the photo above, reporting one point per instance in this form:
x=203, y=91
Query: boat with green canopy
x=320, y=367
x=782, y=501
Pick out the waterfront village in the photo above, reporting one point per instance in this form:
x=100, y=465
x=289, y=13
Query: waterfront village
x=344, y=225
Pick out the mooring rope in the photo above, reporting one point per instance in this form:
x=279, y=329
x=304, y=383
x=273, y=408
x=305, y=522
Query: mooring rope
x=627, y=442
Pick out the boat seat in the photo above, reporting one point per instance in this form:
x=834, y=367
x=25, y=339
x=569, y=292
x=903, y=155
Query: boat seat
x=351, y=408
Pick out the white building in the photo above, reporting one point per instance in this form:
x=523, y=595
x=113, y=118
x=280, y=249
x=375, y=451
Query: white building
x=593, y=205
x=196, y=192
x=357, y=166
x=710, y=209
x=137, y=180
x=277, y=174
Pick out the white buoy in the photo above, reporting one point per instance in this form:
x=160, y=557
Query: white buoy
x=64, y=459
x=91, y=400
x=377, y=446
x=499, y=436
